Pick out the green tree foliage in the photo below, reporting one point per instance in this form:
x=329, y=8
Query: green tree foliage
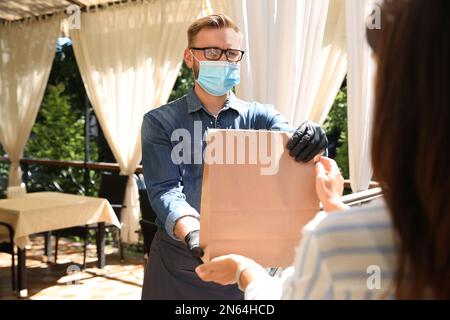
x=58, y=134
x=65, y=70
x=337, y=131
x=185, y=81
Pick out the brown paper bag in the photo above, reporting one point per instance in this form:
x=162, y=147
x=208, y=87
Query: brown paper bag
x=252, y=207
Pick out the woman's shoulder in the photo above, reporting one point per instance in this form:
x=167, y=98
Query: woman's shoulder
x=367, y=229
x=349, y=244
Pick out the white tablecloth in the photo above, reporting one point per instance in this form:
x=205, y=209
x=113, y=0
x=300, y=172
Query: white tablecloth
x=47, y=211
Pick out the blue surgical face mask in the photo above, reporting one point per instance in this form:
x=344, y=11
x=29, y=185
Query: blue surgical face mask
x=218, y=77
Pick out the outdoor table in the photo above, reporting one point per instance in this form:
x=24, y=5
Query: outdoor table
x=47, y=211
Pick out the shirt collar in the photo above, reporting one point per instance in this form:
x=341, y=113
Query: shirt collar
x=195, y=105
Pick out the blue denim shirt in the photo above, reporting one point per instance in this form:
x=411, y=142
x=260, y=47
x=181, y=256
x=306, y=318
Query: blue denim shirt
x=174, y=190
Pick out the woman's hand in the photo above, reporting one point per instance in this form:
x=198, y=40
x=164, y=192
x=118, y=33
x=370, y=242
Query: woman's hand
x=224, y=270
x=329, y=185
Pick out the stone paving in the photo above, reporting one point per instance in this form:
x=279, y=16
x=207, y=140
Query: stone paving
x=117, y=281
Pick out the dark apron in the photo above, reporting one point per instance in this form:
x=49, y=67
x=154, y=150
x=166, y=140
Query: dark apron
x=170, y=275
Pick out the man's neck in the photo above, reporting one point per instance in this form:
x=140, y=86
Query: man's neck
x=212, y=103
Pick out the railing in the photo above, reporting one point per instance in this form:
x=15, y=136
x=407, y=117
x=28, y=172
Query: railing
x=80, y=185
x=362, y=197
x=104, y=166
x=372, y=185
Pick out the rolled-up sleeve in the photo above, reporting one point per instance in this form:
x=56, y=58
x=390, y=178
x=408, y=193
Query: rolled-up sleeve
x=162, y=176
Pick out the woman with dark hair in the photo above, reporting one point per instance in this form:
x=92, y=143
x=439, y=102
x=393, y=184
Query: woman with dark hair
x=400, y=247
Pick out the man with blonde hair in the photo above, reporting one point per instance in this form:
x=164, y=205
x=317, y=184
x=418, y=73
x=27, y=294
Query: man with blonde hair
x=174, y=187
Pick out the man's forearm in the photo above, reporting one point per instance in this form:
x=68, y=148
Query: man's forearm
x=185, y=225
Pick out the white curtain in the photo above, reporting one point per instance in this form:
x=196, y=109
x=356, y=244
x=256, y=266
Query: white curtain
x=361, y=70
x=295, y=53
x=310, y=35
x=333, y=62
x=27, y=52
x=129, y=57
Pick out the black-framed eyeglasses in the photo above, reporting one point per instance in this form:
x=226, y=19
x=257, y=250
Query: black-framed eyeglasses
x=214, y=54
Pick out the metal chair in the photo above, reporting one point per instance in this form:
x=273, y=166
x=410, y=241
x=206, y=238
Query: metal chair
x=112, y=188
x=8, y=247
x=148, y=216
x=147, y=223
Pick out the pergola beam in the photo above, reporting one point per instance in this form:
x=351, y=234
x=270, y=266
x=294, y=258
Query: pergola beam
x=17, y=10
x=76, y=2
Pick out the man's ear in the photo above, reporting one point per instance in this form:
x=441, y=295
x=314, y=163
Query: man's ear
x=188, y=59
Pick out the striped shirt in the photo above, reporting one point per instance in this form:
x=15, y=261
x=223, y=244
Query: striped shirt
x=343, y=255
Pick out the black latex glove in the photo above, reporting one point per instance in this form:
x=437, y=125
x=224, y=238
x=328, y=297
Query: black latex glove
x=307, y=141
x=192, y=240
